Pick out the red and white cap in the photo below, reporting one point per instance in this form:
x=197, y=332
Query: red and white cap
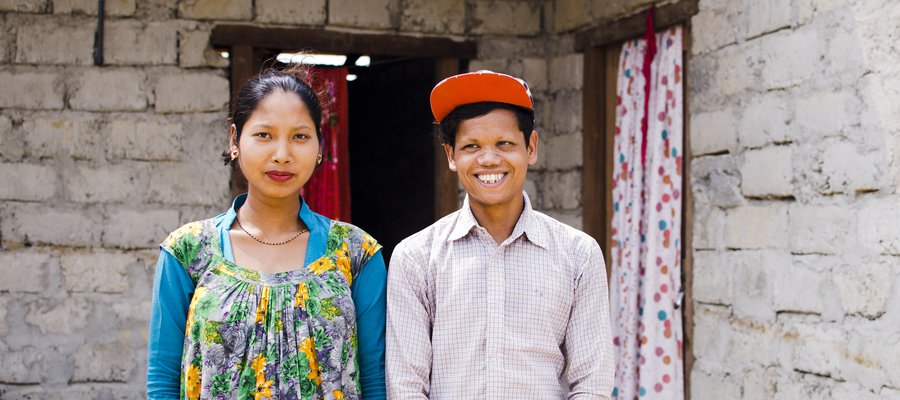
x=477, y=87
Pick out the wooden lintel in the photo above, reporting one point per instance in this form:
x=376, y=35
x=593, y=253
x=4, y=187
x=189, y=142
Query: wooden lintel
x=343, y=42
x=633, y=25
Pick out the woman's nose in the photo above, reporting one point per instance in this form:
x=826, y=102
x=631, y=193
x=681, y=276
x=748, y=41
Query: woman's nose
x=282, y=154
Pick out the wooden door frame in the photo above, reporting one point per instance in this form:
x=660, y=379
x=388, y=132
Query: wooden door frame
x=600, y=46
x=246, y=45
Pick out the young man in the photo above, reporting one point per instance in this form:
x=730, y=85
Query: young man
x=496, y=300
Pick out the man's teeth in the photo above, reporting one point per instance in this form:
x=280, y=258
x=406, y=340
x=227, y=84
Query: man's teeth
x=490, y=178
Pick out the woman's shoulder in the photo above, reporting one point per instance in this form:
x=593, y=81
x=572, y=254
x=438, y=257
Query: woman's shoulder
x=361, y=245
x=347, y=232
x=185, y=242
x=345, y=228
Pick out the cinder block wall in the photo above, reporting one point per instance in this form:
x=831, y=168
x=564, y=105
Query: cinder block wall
x=98, y=164
x=795, y=131
x=796, y=151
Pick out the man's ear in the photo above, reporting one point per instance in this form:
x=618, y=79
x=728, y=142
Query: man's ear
x=532, y=148
x=450, y=160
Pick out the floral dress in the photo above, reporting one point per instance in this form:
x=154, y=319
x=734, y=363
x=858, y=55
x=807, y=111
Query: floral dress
x=253, y=335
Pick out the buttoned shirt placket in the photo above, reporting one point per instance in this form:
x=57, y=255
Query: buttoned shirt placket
x=495, y=305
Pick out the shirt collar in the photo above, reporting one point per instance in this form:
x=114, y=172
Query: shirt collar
x=465, y=222
x=526, y=224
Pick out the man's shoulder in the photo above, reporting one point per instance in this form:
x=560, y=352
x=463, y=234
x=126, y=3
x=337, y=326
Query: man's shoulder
x=562, y=234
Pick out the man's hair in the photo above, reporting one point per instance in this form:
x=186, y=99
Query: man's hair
x=450, y=125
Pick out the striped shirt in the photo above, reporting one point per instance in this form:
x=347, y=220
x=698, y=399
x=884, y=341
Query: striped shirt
x=526, y=319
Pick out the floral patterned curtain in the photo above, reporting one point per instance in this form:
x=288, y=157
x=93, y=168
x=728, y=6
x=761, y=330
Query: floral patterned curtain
x=645, y=280
x=328, y=190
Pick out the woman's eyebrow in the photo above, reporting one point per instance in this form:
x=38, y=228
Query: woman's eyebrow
x=269, y=126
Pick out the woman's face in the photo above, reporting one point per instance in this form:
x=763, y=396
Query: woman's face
x=278, y=146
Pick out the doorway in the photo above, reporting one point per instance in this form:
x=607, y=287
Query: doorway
x=391, y=159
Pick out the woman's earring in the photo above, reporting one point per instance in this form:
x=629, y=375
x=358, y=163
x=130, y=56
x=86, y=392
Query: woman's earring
x=319, y=159
x=234, y=154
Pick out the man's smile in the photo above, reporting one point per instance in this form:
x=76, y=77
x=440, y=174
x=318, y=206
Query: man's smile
x=491, y=179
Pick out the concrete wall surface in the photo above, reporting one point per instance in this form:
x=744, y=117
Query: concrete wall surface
x=795, y=126
x=795, y=132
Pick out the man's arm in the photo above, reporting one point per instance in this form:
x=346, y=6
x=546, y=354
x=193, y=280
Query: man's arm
x=588, y=343
x=408, y=329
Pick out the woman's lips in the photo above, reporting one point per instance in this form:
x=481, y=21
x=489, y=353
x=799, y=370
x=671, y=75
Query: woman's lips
x=279, y=176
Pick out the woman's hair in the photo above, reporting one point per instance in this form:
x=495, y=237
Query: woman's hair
x=296, y=79
x=446, y=130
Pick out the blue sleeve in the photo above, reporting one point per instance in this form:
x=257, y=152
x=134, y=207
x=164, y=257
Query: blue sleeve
x=368, y=291
x=172, y=292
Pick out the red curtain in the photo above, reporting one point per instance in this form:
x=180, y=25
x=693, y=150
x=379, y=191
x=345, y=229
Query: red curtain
x=328, y=191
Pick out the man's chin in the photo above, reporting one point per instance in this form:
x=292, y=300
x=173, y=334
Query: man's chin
x=492, y=199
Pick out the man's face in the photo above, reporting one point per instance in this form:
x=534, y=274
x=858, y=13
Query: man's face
x=491, y=158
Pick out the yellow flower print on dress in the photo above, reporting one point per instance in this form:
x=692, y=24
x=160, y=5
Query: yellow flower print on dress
x=302, y=295
x=370, y=245
x=338, y=395
x=263, y=305
x=193, y=228
x=308, y=347
x=343, y=262
x=321, y=266
x=223, y=269
x=192, y=382
x=343, y=252
x=263, y=386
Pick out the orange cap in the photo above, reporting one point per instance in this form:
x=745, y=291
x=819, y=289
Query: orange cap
x=477, y=87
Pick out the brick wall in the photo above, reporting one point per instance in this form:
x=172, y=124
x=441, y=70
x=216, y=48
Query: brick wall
x=797, y=215
x=98, y=164
x=795, y=173
x=795, y=135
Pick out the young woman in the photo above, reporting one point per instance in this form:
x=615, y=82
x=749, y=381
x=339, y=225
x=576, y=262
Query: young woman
x=269, y=299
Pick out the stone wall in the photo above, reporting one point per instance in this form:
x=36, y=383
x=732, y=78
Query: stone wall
x=795, y=133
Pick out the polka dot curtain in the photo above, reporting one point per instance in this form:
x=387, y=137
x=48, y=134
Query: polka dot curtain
x=646, y=224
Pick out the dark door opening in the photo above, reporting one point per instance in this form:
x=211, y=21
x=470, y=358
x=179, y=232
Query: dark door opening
x=392, y=156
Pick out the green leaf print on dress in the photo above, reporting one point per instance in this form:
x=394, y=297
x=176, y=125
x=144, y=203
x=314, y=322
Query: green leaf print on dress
x=184, y=243
x=329, y=310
